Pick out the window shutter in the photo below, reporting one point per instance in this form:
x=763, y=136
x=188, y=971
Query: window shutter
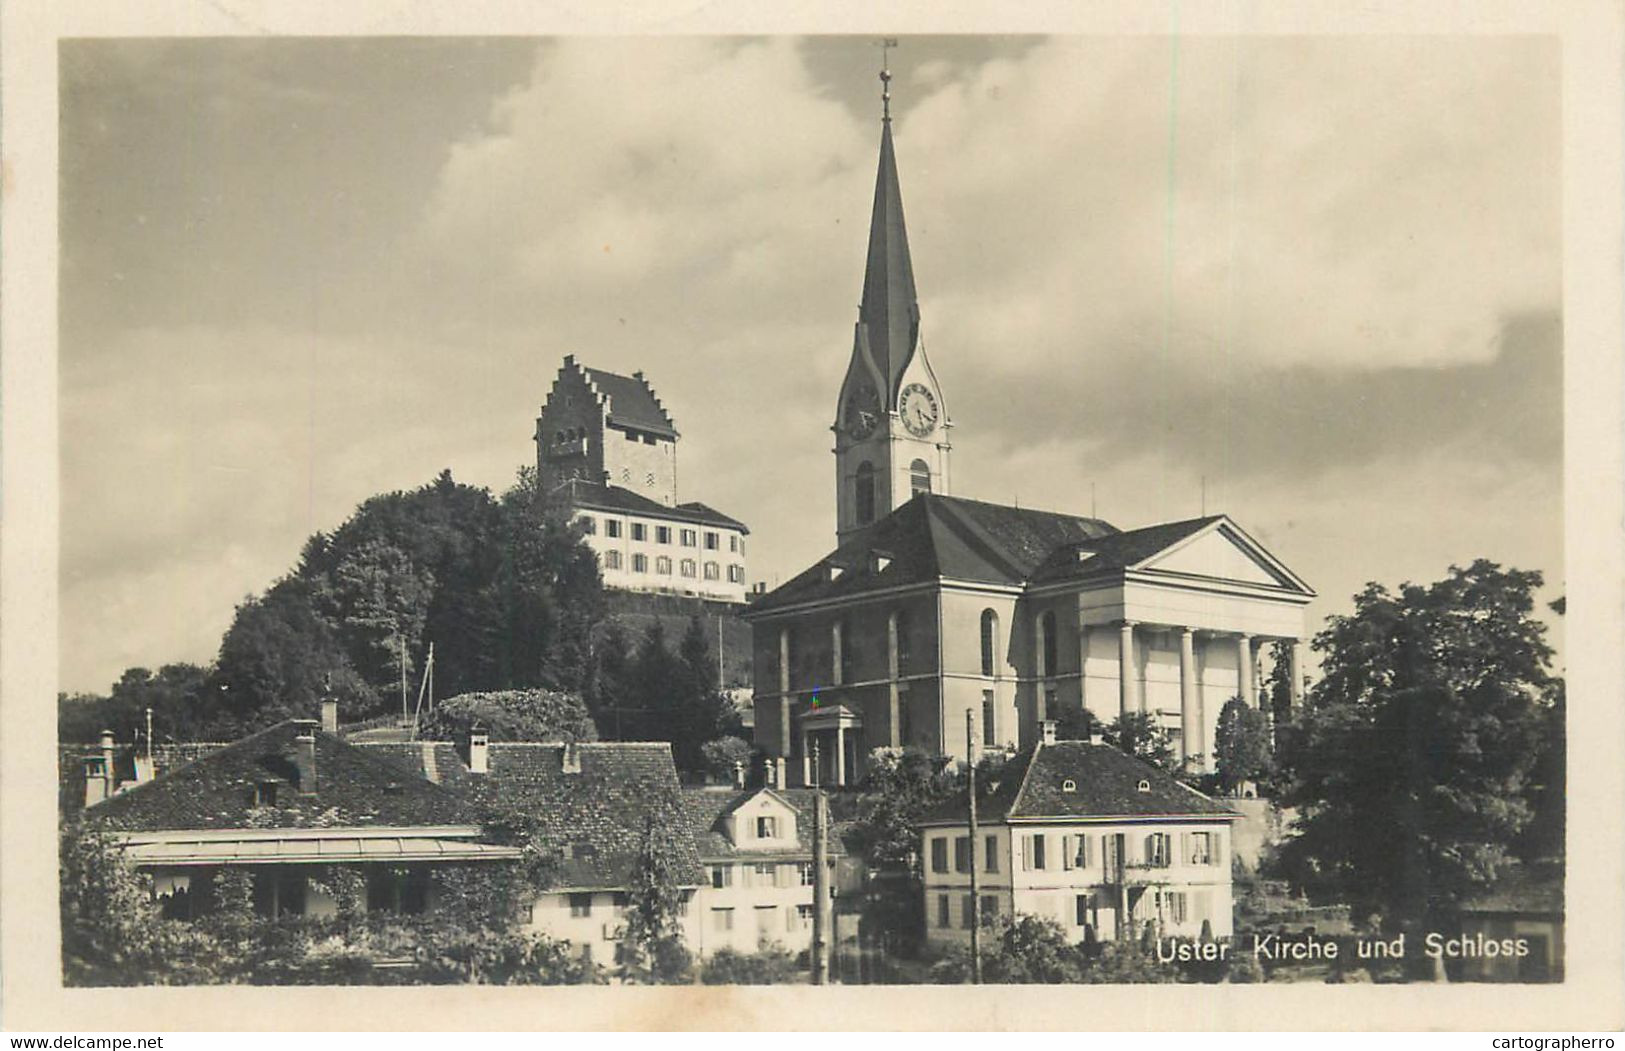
x=1026, y=853
x=1216, y=853
x=1066, y=852
x=1187, y=852
x=1088, y=851
x=781, y=875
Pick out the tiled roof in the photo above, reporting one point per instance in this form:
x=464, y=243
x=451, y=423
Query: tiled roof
x=631, y=402
x=1106, y=785
x=597, y=817
x=353, y=789
x=935, y=536
x=614, y=498
x=708, y=807
x=166, y=757
x=1115, y=553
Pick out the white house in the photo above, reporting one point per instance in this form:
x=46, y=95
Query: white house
x=1086, y=835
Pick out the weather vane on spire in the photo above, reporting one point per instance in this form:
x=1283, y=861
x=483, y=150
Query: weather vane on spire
x=886, y=45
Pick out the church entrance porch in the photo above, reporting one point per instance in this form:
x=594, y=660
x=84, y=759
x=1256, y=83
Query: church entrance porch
x=831, y=746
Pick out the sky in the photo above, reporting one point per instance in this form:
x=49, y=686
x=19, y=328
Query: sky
x=1313, y=283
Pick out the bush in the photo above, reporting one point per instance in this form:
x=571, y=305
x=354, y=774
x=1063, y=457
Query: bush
x=770, y=966
x=512, y=715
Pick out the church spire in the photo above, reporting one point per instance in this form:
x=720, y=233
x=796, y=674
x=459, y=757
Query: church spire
x=889, y=313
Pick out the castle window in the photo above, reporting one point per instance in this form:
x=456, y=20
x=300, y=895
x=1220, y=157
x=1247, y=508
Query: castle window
x=901, y=653
x=663, y=565
x=640, y=531
x=589, y=524
x=712, y=571
x=662, y=534
x=841, y=638
x=711, y=541
x=990, y=641
x=919, y=477
x=687, y=567
x=733, y=544
x=865, y=493
x=612, y=560
x=736, y=574
x=612, y=527
x=689, y=537
x=640, y=563
x=989, y=737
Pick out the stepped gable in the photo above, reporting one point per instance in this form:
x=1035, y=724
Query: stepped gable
x=630, y=402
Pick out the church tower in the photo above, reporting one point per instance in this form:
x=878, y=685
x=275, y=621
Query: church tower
x=891, y=425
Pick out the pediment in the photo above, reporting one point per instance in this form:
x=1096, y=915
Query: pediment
x=1220, y=554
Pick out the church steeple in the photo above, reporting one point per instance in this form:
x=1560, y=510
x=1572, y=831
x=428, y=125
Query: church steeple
x=890, y=312
x=891, y=427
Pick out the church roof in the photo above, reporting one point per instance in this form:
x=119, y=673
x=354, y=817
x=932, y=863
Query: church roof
x=1120, y=551
x=1105, y=784
x=613, y=498
x=889, y=314
x=631, y=402
x=935, y=536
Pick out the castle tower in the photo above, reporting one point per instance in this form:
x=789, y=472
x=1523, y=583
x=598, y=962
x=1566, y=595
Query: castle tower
x=891, y=425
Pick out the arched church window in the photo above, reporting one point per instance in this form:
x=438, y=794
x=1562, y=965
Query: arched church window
x=900, y=635
x=919, y=477
x=1046, y=642
x=990, y=642
x=865, y=493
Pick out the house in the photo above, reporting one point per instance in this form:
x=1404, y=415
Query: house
x=1086, y=835
x=606, y=457
x=756, y=846
x=594, y=804
x=286, y=804
x=932, y=606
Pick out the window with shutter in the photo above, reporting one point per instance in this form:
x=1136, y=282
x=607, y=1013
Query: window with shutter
x=939, y=855
x=991, y=858
x=1067, y=856
x=961, y=853
x=1038, y=851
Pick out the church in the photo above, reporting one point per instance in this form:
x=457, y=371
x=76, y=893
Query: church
x=937, y=616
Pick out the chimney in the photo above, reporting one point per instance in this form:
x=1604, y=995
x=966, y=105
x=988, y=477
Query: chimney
x=304, y=755
x=1046, y=730
x=571, y=761
x=778, y=772
x=330, y=715
x=145, y=770
x=95, y=779
x=109, y=781
x=739, y=774
x=479, y=750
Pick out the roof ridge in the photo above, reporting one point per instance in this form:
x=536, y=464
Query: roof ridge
x=174, y=770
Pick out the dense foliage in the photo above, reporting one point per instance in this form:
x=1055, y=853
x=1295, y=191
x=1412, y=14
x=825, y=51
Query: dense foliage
x=1241, y=745
x=512, y=715
x=1032, y=950
x=1416, y=763
x=768, y=966
x=652, y=949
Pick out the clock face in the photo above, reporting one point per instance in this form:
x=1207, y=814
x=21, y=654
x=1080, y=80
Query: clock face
x=918, y=407
x=862, y=411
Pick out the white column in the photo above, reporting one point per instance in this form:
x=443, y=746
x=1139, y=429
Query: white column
x=806, y=758
x=784, y=726
x=1189, y=718
x=1126, y=692
x=1295, y=670
x=840, y=754
x=1246, y=682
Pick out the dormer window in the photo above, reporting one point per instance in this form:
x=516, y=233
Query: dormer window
x=835, y=571
x=1144, y=785
x=265, y=793
x=881, y=562
x=582, y=851
x=767, y=828
x=1069, y=785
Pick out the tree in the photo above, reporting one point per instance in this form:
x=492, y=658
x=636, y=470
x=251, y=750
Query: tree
x=1140, y=735
x=513, y=715
x=723, y=756
x=1128, y=963
x=1241, y=744
x=1026, y=950
x=1412, y=761
x=1077, y=724
x=651, y=948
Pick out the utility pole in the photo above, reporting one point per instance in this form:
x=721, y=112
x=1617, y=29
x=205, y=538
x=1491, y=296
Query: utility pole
x=975, y=883
x=819, y=956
